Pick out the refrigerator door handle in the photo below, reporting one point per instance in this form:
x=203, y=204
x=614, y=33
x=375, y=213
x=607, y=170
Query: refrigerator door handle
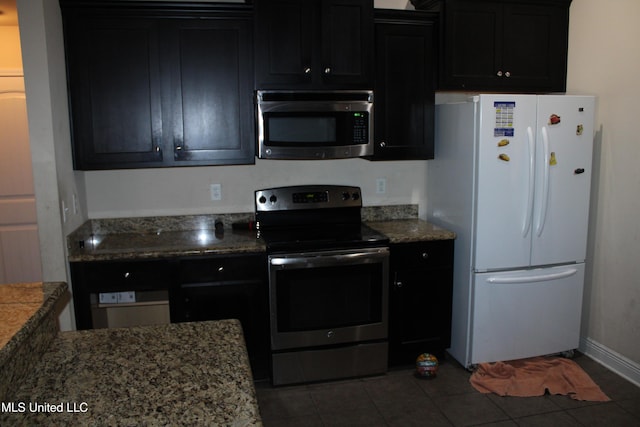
x=528, y=212
x=542, y=216
x=529, y=279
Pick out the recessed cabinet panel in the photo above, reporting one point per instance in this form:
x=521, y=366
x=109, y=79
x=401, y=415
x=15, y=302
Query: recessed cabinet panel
x=315, y=44
x=114, y=82
x=405, y=84
x=211, y=91
x=420, y=300
x=508, y=45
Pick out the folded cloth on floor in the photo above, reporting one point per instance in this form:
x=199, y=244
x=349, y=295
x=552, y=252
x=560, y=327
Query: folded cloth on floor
x=535, y=376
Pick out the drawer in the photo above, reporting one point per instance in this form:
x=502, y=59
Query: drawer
x=428, y=254
x=128, y=275
x=222, y=268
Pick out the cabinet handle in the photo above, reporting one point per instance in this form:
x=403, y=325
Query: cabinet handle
x=382, y=144
x=425, y=255
x=327, y=70
x=307, y=70
x=499, y=73
x=220, y=269
x=507, y=74
x=399, y=284
x=126, y=275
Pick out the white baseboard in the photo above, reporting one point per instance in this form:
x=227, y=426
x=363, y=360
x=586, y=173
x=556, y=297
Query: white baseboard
x=616, y=362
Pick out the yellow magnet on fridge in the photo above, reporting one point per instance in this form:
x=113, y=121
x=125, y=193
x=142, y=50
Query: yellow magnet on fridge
x=552, y=159
x=579, y=130
x=503, y=143
x=504, y=157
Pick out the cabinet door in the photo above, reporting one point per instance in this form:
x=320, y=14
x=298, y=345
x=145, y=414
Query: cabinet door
x=284, y=42
x=209, y=88
x=508, y=45
x=404, y=88
x=420, y=300
x=535, y=46
x=472, y=54
x=347, y=43
x=314, y=44
x=114, y=85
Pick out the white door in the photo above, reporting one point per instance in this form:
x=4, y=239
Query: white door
x=526, y=313
x=19, y=247
x=504, y=187
x=563, y=182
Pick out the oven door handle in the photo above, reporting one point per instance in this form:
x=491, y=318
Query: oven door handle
x=319, y=259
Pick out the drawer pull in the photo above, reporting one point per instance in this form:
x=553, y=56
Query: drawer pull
x=425, y=255
x=220, y=269
x=126, y=275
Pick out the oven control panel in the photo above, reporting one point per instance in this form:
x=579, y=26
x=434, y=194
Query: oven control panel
x=307, y=197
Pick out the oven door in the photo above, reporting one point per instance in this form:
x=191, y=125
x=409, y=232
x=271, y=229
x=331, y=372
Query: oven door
x=327, y=298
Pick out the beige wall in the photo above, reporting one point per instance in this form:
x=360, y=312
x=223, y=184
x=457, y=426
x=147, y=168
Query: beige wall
x=604, y=59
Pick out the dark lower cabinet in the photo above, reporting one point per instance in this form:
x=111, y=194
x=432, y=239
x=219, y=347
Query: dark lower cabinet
x=405, y=83
x=227, y=287
x=420, y=300
x=187, y=289
x=159, y=84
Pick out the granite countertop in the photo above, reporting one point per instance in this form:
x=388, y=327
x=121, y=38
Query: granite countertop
x=156, y=237
x=178, y=374
x=411, y=230
x=28, y=324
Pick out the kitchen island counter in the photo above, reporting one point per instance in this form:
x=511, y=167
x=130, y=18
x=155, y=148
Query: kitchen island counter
x=178, y=374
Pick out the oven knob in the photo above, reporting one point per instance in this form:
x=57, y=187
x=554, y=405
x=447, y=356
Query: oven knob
x=345, y=196
x=355, y=196
x=273, y=198
x=262, y=199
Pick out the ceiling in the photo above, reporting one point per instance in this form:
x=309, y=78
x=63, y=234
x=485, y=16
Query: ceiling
x=8, y=13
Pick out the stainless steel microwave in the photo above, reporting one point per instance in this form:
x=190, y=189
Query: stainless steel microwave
x=314, y=125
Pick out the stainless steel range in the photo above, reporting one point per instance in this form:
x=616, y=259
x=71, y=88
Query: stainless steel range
x=328, y=284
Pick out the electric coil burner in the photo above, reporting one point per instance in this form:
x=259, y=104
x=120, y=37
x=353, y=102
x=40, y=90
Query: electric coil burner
x=328, y=284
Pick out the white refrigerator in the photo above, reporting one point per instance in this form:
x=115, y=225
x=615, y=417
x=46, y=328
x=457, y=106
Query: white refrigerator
x=512, y=177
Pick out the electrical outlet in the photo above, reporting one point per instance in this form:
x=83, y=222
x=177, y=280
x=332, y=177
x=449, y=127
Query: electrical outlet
x=381, y=185
x=65, y=212
x=216, y=192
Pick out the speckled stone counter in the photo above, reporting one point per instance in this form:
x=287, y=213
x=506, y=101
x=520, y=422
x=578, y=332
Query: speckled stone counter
x=28, y=324
x=158, y=237
x=411, y=230
x=178, y=374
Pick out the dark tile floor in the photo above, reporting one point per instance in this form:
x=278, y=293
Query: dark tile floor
x=400, y=399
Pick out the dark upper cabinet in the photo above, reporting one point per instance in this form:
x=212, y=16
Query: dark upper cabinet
x=508, y=45
x=313, y=44
x=113, y=71
x=405, y=82
x=210, y=89
x=156, y=86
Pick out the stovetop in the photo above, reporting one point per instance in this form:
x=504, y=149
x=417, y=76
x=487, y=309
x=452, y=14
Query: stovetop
x=314, y=217
x=343, y=236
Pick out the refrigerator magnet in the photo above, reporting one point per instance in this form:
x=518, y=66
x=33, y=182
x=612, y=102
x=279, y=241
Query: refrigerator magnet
x=503, y=143
x=554, y=119
x=504, y=157
x=552, y=159
x=579, y=129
